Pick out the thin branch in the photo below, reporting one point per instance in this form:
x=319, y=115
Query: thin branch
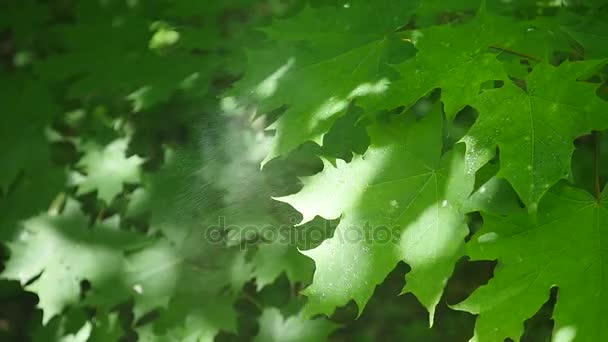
x=516, y=53
x=252, y=300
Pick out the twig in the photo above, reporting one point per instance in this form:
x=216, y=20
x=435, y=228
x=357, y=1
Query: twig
x=517, y=53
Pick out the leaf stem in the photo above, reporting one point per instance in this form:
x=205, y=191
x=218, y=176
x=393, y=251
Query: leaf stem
x=57, y=204
x=596, y=164
x=252, y=300
x=516, y=53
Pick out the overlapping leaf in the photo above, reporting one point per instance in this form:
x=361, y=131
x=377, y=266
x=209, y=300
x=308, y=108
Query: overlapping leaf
x=324, y=59
x=398, y=201
x=22, y=130
x=470, y=63
x=590, y=32
x=535, y=128
x=60, y=252
x=107, y=169
x=275, y=328
x=562, y=248
x=109, y=39
x=24, y=189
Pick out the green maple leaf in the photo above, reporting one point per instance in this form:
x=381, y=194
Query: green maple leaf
x=173, y=181
x=398, y=201
x=272, y=259
x=563, y=248
x=106, y=327
x=191, y=278
x=590, y=32
x=275, y=328
x=119, y=36
x=474, y=49
x=246, y=205
x=495, y=196
x=24, y=189
x=24, y=32
x=30, y=196
x=460, y=76
x=184, y=279
x=201, y=324
x=325, y=58
x=64, y=252
x=192, y=286
x=107, y=169
x=75, y=325
x=22, y=133
x=535, y=128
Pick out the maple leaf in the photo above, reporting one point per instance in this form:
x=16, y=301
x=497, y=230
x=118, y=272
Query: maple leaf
x=460, y=76
x=107, y=169
x=76, y=325
x=193, y=287
x=398, y=201
x=24, y=189
x=92, y=57
x=171, y=184
x=561, y=247
x=474, y=49
x=495, y=196
x=61, y=250
x=229, y=170
x=590, y=32
x=31, y=195
x=106, y=327
x=204, y=321
x=535, y=128
x=325, y=58
x=22, y=134
x=275, y=328
x=190, y=277
x=272, y=259
x=24, y=32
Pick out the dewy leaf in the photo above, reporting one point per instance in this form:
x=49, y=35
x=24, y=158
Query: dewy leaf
x=470, y=63
x=535, y=129
x=563, y=248
x=325, y=58
x=107, y=169
x=275, y=328
x=398, y=201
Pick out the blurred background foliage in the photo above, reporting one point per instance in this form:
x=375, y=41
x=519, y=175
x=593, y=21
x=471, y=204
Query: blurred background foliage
x=118, y=154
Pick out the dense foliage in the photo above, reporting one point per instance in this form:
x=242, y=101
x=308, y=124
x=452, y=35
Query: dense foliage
x=282, y=170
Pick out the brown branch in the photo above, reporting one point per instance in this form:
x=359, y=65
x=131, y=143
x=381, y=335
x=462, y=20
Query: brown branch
x=516, y=53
